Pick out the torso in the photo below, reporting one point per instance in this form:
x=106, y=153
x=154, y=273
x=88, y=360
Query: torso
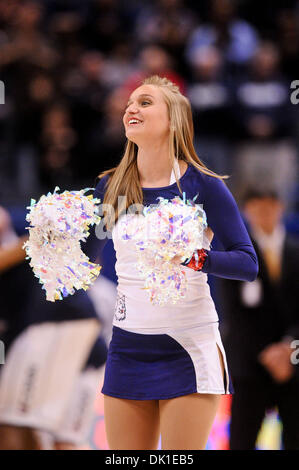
x=165, y=182
x=134, y=309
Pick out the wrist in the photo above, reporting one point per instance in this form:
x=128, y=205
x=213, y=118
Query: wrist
x=196, y=262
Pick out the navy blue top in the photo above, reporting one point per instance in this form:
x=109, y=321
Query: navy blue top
x=238, y=260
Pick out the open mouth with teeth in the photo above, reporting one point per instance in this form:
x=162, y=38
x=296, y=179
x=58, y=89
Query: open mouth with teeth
x=133, y=122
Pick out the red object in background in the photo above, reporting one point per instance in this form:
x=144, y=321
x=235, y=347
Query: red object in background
x=136, y=79
x=219, y=435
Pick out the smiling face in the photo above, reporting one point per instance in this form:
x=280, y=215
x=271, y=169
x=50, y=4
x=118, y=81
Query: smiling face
x=146, y=117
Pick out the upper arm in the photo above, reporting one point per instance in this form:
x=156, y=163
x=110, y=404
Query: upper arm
x=95, y=242
x=100, y=188
x=223, y=215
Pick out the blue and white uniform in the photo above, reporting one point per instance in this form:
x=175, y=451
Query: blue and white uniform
x=160, y=352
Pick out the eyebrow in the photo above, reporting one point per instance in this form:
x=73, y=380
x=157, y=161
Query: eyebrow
x=143, y=94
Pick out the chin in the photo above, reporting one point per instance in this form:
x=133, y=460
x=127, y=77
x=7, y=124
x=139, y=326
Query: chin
x=132, y=137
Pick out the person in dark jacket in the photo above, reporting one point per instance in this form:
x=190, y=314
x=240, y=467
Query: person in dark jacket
x=260, y=327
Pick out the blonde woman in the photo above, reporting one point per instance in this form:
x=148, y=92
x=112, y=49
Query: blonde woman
x=166, y=368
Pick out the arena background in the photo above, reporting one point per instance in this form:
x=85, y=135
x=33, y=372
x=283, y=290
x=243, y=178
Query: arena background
x=68, y=67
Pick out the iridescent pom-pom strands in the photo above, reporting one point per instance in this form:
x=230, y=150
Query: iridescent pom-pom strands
x=168, y=229
x=58, y=223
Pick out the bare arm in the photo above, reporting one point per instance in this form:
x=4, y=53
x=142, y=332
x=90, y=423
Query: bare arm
x=13, y=254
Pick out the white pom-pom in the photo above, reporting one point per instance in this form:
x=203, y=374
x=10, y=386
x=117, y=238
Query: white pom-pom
x=168, y=229
x=59, y=222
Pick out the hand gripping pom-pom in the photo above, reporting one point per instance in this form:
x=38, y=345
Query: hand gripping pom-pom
x=59, y=222
x=169, y=228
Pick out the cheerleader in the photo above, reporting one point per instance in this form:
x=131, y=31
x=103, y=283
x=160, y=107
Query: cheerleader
x=166, y=368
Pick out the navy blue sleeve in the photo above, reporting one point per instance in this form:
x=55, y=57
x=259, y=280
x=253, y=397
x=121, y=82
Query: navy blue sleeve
x=239, y=260
x=95, y=242
x=99, y=191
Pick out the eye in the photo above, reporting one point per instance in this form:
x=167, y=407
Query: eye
x=143, y=102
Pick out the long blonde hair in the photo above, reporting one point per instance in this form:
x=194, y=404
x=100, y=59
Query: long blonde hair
x=124, y=178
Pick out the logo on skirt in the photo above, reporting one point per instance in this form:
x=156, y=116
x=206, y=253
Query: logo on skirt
x=120, y=308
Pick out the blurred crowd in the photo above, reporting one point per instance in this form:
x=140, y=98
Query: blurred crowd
x=68, y=67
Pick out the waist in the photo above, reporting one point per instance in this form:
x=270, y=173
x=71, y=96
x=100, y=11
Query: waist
x=196, y=327
x=197, y=289
x=134, y=310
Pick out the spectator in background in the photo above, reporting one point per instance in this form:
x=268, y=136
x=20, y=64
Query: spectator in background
x=211, y=98
x=25, y=52
x=292, y=217
x=15, y=293
x=288, y=41
x=26, y=45
x=7, y=143
x=236, y=38
x=86, y=92
x=41, y=93
x=57, y=141
x=167, y=23
x=119, y=65
x=65, y=30
x=105, y=23
x=54, y=356
x=264, y=120
x=152, y=60
x=259, y=322
x=15, y=280
x=263, y=109
x=96, y=104
x=26, y=55
x=7, y=12
x=105, y=140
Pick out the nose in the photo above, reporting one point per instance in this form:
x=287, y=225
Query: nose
x=132, y=108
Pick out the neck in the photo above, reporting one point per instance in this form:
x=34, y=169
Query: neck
x=154, y=165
